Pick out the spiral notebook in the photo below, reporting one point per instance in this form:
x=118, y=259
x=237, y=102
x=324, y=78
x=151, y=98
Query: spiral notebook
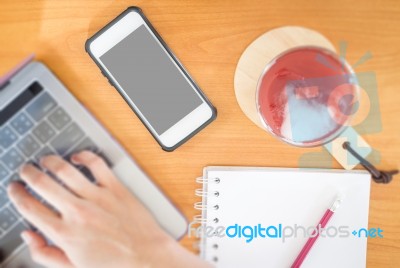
x=241, y=201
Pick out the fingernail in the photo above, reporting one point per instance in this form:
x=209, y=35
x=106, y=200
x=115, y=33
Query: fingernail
x=26, y=238
x=74, y=158
x=11, y=187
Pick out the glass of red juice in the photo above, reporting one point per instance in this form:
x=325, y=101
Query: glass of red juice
x=306, y=96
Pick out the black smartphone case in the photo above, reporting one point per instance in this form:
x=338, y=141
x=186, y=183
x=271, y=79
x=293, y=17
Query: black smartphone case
x=139, y=11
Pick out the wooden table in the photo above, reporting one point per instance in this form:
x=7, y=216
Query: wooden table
x=209, y=37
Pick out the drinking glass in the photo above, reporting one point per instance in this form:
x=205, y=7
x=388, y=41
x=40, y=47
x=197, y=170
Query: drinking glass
x=306, y=96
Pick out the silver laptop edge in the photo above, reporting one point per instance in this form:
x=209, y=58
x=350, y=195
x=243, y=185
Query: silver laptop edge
x=169, y=218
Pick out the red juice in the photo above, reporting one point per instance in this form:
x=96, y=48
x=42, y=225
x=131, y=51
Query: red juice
x=306, y=96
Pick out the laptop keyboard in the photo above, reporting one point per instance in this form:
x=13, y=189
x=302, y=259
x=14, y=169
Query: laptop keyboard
x=40, y=128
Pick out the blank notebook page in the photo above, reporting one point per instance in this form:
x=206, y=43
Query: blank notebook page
x=271, y=196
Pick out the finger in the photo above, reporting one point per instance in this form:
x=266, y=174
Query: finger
x=42, y=253
x=47, y=188
x=69, y=175
x=98, y=167
x=32, y=210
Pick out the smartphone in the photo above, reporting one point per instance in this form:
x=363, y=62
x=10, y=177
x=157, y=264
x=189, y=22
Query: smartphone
x=138, y=63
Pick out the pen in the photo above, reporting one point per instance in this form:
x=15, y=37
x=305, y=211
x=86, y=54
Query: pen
x=310, y=242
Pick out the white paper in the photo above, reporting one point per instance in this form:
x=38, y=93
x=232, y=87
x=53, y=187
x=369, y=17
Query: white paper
x=268, y=196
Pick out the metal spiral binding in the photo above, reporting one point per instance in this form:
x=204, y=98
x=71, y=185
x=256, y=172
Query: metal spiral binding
x=200, y=206
x=203, y=206
x=202, y=193
x=199, y=218
x=201, y=180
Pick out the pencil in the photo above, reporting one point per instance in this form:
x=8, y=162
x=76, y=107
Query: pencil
x=310, y=242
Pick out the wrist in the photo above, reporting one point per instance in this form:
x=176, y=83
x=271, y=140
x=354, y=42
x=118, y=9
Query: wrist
x=179, y=257
x=168, y=253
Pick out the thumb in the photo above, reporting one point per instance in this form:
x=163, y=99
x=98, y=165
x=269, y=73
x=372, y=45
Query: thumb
x=42, y=253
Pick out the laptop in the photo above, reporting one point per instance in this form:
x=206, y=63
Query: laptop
x=39, y=116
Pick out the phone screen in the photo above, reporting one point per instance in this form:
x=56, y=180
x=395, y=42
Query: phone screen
x=151, y=79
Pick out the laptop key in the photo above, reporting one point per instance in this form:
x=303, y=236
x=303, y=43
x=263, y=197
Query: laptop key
x=13, y=178
x=3, y=197
x=3, y=172
x=7, y=219
x=21, y=123
x=14, y=210
x=44, y=132
x=65, y=141
x=7, y=137
x=12, y=159
x=28, y=146
x=85, y=144
x=43, y=152
x=41, y=106
x=59, y=118
x=11, y=240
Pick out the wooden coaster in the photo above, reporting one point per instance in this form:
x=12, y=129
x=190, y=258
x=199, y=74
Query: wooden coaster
x=252, y=64
x=260, y=52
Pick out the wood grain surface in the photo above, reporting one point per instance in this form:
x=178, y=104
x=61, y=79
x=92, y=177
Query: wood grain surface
x=209, y=37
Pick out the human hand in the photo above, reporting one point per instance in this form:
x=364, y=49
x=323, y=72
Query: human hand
x=98, y=226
